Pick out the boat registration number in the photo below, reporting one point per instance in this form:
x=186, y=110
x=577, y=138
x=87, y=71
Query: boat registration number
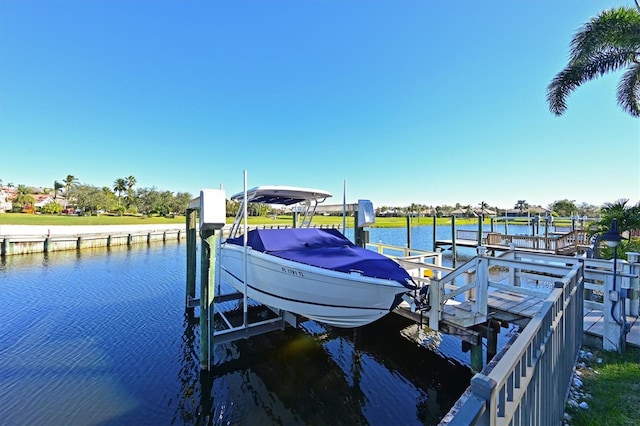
x=293, y=272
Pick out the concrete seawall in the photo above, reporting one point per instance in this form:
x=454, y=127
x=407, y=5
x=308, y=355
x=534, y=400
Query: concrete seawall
x=26, y=239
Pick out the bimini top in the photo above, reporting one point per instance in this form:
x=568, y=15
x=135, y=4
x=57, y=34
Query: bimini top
x=284, y=195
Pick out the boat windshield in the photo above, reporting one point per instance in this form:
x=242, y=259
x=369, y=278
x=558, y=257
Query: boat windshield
x=303, y=204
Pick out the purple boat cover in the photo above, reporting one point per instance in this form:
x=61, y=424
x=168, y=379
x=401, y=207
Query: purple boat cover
x=324, y=248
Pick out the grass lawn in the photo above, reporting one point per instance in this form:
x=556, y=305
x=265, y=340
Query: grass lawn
x=44, y=219
x=614, y=389
x=49, y=219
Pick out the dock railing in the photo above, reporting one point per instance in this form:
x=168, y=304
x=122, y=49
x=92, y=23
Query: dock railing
x=565, y=244
x=406, y=252
x=530, y=382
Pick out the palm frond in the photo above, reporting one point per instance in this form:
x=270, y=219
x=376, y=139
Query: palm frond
x=606, y=61
x=565, y=82
x=615, y=27
x=577, y=73
x=628, y=91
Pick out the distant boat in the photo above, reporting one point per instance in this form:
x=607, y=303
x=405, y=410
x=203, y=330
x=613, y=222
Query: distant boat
x=316, y=273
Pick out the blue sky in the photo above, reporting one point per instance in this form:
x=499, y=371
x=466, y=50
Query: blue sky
x=408, y=101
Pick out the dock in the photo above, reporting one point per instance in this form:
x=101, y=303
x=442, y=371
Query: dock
x=517, y=293
x=555, y=299
x=558, y=301
x=568, y=244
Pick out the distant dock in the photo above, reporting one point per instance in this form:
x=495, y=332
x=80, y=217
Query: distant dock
x=568, y=244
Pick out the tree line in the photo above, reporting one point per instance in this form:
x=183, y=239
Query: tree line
x=122, y=197
x=559, y=208
x=69, y=195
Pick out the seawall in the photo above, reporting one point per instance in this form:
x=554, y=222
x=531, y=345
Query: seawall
x=27, y=239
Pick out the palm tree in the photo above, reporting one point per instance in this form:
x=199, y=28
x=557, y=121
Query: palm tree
x=56, y=187
x=628, y=217
x=130, y=182
x=609, y=42
x=69, y=181
x=24, y=197
x=521, y=205
x=119, y=186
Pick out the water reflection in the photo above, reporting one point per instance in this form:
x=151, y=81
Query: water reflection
x=190, y=380
x=370, y=375
x=112, y=323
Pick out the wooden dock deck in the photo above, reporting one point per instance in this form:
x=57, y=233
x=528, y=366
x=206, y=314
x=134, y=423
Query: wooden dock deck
x=593, y=326
x=527, y=306
x=518, y=308
x=463, y=301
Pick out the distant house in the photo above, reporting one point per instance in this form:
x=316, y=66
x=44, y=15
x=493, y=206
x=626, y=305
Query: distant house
x=6, y=195
x=42, y=200
x=531, y=211
x=484, y=212
x=388, y=213
x=462, y=213
x=538, y=210
x=335, y=209
x=5, y=204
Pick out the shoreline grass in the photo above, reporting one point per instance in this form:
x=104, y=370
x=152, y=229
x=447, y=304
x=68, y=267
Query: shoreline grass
x=47, y=219
x=611, y=388
x=381, y=222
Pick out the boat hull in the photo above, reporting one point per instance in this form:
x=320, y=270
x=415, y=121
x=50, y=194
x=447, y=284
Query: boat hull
x=335, y=298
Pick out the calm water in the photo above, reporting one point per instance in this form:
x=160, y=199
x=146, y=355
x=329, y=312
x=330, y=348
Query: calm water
x=101, y=337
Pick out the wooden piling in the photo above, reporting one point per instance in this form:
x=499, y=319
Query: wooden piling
x=453, y=240
x=359, y=234
x=434, y=234
x=493, y=328
x=207, y=267
x=408, y=231
x=633, y=305
x=476, y=357
x=191, y=255
x=476, y=353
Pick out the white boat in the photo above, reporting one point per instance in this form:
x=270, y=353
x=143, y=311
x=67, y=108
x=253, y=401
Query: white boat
x=313, y=272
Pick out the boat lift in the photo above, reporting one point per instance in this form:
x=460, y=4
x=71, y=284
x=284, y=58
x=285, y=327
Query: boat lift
x=205, y=215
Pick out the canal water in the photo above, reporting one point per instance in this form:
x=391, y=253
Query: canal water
x=101, y=337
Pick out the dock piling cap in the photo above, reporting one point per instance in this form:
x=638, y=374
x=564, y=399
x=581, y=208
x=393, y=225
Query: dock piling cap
x=213, y=209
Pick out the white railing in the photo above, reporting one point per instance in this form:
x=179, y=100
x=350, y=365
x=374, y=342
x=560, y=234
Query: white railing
x=530, y=382
x=471, y=235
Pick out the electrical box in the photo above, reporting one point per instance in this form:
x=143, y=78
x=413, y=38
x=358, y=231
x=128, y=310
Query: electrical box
x=366, y=215
x=628, y=293
x=213, y=209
